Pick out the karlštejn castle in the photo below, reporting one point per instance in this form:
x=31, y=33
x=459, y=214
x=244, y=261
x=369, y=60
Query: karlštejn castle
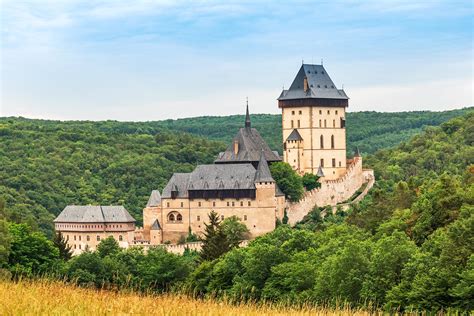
x=239, y=181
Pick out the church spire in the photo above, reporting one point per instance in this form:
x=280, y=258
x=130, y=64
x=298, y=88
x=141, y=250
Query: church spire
x=247, y=116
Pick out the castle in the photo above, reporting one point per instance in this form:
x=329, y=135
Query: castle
x=239, y=182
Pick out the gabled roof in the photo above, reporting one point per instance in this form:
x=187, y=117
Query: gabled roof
x=295, y=135
x=156, y=225
x=94, y=214
x=179, y=182
x=222, y=177
x=263, y=172
x=250, y=145
x=320, y=85
x=155, y=199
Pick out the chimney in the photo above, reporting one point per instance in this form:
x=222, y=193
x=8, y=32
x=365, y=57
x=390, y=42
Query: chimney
x=305, y=84
x=236, y=147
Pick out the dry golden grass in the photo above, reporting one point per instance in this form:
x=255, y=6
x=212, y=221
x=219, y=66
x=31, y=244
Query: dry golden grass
x=56, y=298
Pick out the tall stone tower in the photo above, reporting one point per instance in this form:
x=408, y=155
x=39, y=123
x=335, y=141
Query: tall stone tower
x=314, y=124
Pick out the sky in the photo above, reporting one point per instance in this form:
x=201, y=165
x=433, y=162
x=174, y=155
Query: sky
x=152, y=60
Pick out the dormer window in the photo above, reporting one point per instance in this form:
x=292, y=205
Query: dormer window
x=319, y=86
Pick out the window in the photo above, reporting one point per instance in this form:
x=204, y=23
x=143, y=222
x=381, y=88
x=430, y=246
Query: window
x=79, y=246
x=250, y=203
x=88, y=238
x=320, y=112
x=74, y=246
x=300, y=112
x=74, y=237
x=292, y=112
x=241, y=203
x=199, y=204
x=198, y=218
x=120, y=238
x=321, y=140
x=168, y=204
x=171, y=217
x=213, y=203
x=333, y=163
x=333, y=123
x=182, y=204
x=340, y=164
x=79, y=237
x=322, y=163
x=233, y=203
x=222, y=217
x=336, y=112
x=298, y=123
x=245, y=217
x=325, y=125
x=291, y=123
x=98, y=238
x=329, y=112
x=332, y=141
x=228, y=204
x=320, y=124
x=179, y=217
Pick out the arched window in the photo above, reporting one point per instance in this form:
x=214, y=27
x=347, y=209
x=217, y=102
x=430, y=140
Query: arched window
x=333, y=123
x=332, y=141
x=120, y=238
x=171, y=217
x=179, y=217
x=325, y=123
x=175, y=217
x=322, y=141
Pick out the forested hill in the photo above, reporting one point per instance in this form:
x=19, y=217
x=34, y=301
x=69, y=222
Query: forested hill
x=45, y=165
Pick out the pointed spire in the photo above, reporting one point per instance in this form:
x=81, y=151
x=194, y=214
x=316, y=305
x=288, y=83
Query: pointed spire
x=263, y=172
x=247, y=116
x=320, y=172
x=357, y=152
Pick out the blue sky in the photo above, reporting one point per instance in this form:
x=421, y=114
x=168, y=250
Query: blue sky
x=152, y=60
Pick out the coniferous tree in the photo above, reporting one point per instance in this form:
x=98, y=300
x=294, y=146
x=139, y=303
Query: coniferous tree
x=215, y=241
x=60, y=242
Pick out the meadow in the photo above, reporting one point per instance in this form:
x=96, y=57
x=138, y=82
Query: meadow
x=55, y=298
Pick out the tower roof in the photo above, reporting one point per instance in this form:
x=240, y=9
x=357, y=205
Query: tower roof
x=320, y=172
x=319, y=85
x=250, y=145
x=263, y=172
x=294, y=135
x=155, y=199
x=156, y=225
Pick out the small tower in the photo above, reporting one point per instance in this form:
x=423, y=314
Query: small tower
x=264, y=183
x=315, y=109
x=155, y=233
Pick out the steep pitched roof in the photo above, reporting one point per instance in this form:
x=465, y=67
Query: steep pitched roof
x=179, y=182
x=294, y=135
x=94, y=214
x=263, y=172
x=222, y=177
x=155, y=199
x=320, y=172
x=250, y=145
x=156, y=225
x=320, y=85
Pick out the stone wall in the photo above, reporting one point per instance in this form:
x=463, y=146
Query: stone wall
x=331, y=192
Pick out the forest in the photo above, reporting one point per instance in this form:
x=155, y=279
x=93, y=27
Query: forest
x=409, y=245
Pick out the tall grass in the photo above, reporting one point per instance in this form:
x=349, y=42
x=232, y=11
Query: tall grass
x=43, y=297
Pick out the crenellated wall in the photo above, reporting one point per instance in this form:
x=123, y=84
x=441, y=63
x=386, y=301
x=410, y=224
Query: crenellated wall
x=331, y=192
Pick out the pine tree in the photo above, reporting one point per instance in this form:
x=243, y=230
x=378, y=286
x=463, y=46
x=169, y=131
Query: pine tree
x=215, y=240
x=65, y=251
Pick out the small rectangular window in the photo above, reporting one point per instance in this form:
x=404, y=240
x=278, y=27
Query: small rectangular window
x=300, y=112
x=245, y=217
x=213, y=203
x=98, y=238
x=228, y=204
x=199, y=204
x=322, y=162
x=241, y=203
x=320, y=112
x=250, y=203
x=336, y=112
x=333, y=163
x=298, y=123
x=292, y=112
x=233, y=203
x=168, y=204
x=292, y=124
x=182, y=204
x=198, y=218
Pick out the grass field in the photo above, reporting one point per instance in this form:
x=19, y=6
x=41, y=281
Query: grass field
x=55, y=298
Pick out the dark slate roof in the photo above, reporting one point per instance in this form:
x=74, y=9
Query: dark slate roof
x=278, y=192
x=295, y=135
x=251, y=145
x=94, y=214
x=179, y=181
x=320, y=172
x=156, y=225
x=222, y=177
x=263, y=172
x=319, y=83
x=155, y=199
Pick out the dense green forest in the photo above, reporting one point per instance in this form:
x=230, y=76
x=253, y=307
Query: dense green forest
x=409, y=245
x=46, y=165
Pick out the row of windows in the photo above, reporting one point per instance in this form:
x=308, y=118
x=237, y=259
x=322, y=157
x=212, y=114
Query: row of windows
x=322, y=162
x=298, y=124
x=176, y=217
x=249, y=203
x=88, y=238
x=89, y=226
x=321, y=145
x=320, y=112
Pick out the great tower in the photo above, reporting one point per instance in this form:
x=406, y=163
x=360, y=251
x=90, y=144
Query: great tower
x=314, y=124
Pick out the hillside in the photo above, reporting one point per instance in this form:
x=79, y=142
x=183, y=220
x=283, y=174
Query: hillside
x=46, y=165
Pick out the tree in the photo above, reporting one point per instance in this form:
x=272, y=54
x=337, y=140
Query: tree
x=108, y=246
x=234, y=231
x=310, y=181
x=215, y=241
x=60, y=242
x=287, y=180
x=5, y=243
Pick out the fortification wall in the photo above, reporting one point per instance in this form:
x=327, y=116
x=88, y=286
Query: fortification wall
x=331, y=192
x=179, y=249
